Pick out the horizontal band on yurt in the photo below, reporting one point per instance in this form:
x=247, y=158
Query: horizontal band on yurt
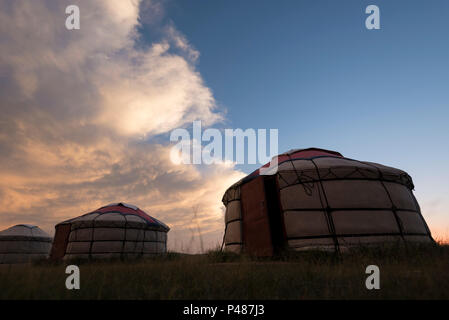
x=114, y=247
x=26, y=252
x=362, y=235
x=109, y=255
x=329, y=244
x=112, y=225
x=352, y=209
x=315, y=222
x=364, y=194
x=25, y=238
x=139, y=250
x=303, y=179
x=24, y=245
x=233, y=243
x=115, y=240
x=117, y=234
x=21, y=258
x=233, y=200
x=234, y=220
x=236, y=248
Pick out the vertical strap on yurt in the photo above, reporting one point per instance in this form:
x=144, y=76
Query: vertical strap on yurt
x=239, y=194
x=307, y=185
x=67, y=241
x=143, y=240
x=327, y=209
x=124, y=236
x=92, y=237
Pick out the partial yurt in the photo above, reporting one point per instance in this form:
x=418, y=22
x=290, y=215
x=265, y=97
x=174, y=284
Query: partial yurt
x=23, y=243
x=318, y=199
x=118, y=230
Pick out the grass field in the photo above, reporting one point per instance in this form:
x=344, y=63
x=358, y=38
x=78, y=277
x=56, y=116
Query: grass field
x=413, y=273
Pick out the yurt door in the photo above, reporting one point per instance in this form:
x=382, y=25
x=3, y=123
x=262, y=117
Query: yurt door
x=274, y=213
x=256, y=225
x=60, y=241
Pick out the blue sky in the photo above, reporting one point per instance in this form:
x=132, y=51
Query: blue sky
x=312, y=70
x=315, y=72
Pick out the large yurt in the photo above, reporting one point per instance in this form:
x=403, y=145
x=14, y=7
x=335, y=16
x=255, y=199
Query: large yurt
x=118, y=230
x=23, y=243
x=318, y=199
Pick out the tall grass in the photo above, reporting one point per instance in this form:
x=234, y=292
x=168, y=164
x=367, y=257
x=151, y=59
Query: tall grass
x=405, y=273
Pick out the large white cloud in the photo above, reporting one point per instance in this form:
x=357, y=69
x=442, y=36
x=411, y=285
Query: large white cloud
x=79, y=109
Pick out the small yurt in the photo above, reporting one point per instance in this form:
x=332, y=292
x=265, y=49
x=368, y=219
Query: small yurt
x=118, y=230
x=23, y=243
x=318, y=199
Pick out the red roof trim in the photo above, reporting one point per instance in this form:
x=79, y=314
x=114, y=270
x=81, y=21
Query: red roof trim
x=301, y=154
x=125, y=210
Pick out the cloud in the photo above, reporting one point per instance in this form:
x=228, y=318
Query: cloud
x=79, y=112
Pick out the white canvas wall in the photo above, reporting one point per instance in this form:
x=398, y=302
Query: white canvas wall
x=113, y=235
x=23, y=243
x=369, y=204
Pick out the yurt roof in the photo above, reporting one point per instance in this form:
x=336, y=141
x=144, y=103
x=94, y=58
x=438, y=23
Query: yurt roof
x=313, y=153
x=297, y=154
x=124, y=209
x=25, y=230
x=293, y=154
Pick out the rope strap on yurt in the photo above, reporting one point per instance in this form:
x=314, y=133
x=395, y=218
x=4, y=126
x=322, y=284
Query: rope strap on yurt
x=92, y=237
x=304, y=180
x=394, y=209
x=327, y=209
x=124, y=236
x=355, y=174
x=126, y=227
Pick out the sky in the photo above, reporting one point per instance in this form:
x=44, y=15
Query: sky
x=86, y=114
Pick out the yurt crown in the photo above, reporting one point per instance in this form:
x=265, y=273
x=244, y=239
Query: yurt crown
x=123, y=205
